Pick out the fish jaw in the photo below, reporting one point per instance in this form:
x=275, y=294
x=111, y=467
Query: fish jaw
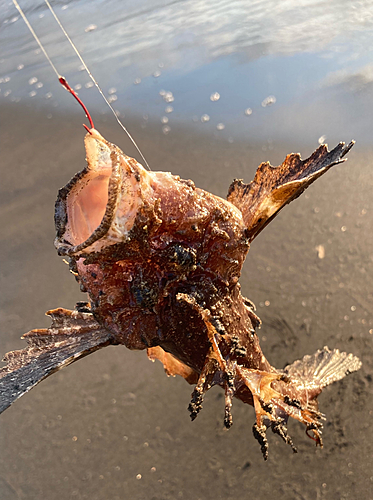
x=97, y=208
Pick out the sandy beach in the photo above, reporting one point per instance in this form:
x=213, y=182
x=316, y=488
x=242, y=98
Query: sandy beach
x=113, y=425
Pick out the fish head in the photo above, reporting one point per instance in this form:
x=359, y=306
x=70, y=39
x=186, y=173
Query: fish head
x=98, y=206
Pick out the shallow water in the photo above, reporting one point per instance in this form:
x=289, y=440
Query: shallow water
x=113, y=425
x=313, y=57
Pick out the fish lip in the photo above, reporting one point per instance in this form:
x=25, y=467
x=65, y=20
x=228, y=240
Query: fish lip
x=65, y=248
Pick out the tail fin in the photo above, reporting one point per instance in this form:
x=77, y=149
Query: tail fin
x=323, y=368
x=72, y=335
x=310, y=375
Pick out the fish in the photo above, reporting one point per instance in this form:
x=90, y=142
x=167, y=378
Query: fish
x=160, y=260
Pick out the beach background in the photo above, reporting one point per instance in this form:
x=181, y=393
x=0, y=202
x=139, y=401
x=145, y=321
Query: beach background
x=209, y=90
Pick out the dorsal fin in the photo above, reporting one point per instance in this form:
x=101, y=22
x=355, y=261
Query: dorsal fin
x=274, y=187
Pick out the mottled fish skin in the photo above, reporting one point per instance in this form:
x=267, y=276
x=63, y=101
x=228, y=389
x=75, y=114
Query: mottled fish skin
x=160, y=260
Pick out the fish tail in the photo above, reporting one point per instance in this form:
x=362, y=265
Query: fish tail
x=322, y=368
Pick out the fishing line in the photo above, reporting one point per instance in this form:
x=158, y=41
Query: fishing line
x=84, y=65
x=36, y=37
x=95, y=81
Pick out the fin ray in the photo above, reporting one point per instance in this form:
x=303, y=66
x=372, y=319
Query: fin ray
x=72, y=335
x=274, y=187
x=323, y=367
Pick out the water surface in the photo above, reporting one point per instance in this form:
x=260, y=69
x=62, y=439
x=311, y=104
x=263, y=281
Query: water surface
x=314, y=57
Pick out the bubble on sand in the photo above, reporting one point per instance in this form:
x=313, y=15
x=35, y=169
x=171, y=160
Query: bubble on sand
x=220, y=126
x=169, y=109
x=322, y=139
x=137, y=81
x=320, y=249
x=248, y=111
x=164, y=119
x=112, y=90
x=205, y=118
x=32, y=80
x=166, y=129
x=268, y=101
x=215, y=97
x=167, y=95
x=91, y=27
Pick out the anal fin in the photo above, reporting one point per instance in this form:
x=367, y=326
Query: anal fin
x=172, y=366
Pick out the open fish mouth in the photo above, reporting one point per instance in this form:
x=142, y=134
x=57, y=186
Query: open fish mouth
x=99, y=204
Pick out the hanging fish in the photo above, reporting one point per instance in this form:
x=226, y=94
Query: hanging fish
x=160, y=260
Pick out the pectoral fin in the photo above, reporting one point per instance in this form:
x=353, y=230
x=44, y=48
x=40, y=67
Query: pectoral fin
x=72, y=335
x=274, y=187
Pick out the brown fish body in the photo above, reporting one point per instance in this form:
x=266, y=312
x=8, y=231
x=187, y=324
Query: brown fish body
x=186, y=241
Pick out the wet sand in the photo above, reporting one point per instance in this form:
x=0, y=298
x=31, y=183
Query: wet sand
x=113, y=425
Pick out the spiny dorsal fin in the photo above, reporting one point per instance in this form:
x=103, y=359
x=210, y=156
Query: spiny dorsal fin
x=274, y=187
